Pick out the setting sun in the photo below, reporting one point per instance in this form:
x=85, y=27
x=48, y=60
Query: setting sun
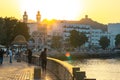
x=52, y=9
x=101, y=11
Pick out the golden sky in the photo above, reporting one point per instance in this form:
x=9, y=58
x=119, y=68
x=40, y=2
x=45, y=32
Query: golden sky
x=103, y=11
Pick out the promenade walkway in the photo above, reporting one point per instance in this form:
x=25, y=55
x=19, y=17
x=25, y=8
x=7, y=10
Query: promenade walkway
x=20, y=71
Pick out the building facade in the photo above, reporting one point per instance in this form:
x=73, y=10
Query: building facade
x=36, y=30
x=113, y=30
x=63, y=28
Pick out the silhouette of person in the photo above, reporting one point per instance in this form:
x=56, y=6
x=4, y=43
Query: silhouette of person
x=29, y=56
x=1, y=56
x=43, y=58
x=10, y=54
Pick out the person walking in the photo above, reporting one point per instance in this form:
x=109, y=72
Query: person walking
x=43, y=59
x=29, y=56
x=10, y=54
x=1, y=56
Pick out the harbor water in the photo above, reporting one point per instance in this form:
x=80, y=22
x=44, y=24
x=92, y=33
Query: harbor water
x=100, y=69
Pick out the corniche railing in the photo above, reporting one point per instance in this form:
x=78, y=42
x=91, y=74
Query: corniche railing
x=62, y=70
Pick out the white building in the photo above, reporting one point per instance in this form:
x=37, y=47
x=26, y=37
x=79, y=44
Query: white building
x=63, y=28
x=78, y=27
x=95, y=37
x=113, y=30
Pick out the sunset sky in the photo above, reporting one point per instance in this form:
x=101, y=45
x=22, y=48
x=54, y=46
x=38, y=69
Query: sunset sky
x=103, y=11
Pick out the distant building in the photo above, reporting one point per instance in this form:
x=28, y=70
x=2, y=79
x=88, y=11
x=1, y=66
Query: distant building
x=113, y=30
x=96, y=34
x=93, y=35
x=25, y=17
x=38, y=17
x=63, y=28
x=33, y=26
x=78, y=27
x=36, y=30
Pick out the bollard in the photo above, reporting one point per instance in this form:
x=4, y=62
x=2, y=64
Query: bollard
x=80, y=75
x=74, y=69
x=37, y=73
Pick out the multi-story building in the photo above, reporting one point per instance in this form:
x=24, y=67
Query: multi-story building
x=63, y=28
x=78, y=27
x=113, y=30
x=95, y=37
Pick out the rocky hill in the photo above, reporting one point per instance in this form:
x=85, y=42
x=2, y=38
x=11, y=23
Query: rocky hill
x=94, y=24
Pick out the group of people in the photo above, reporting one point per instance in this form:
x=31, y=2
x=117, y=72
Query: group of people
x=8, y=52
x=42, y=58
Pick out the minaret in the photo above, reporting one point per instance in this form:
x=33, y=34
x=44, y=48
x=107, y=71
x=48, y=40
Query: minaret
x=25, y=17
x=38, y=17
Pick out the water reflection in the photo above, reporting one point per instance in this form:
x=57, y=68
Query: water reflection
x=101, y=69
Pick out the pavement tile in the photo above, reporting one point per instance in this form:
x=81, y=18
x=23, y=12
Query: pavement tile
x=20, y=71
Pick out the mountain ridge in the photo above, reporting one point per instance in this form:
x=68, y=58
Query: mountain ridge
x=93, y=24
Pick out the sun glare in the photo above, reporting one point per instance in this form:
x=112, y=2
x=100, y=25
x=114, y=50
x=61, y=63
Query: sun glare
x=52, y=9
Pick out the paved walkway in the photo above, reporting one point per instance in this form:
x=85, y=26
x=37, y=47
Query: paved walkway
x=20, y=71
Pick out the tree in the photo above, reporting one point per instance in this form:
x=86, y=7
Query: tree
x=22, y=29
x=77, y=39
x=10, y=28
x=104, y=42
x=117, y=40
x=56, y=42
x=83, y=39
x=1, y=29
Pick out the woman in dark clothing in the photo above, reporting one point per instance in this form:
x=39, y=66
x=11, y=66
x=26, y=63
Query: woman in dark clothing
x=1, y=56
x=29, y=56
x=43, y=58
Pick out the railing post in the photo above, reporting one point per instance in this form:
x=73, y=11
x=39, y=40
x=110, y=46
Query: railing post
x=80, y=75
x=33, y=60
x=76, y=74
x=37, y=73
x=74, y=69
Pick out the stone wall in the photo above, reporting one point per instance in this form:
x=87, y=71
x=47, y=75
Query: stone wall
x=60, y=69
